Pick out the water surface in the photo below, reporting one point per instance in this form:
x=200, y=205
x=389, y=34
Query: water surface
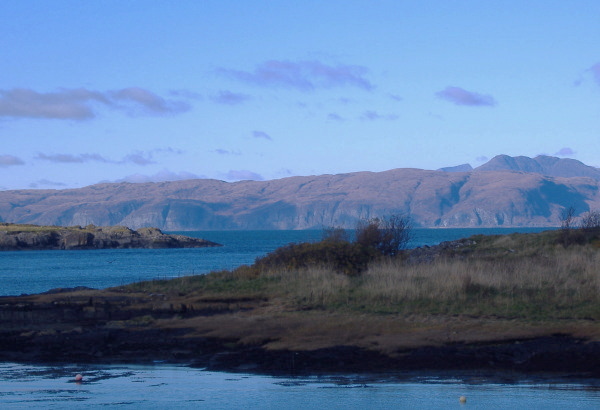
x=39, y=271
x=166, y=387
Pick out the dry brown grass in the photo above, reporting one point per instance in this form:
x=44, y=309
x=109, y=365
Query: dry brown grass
x=562, y=283
x=516, y=276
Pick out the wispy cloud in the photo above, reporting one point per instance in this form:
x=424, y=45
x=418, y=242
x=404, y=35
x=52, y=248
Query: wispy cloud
x=168, y=150
x=334, y=117
x=261, y=134
x=10, y=160
x=303, y=75
x=222, y=151
x=78, y=104
x=71, y=159
x=73, y=104
x=229, y=98
x=144, y=101
x=460, y=96
x=243, y=175
x=161, y=176
x=138, y=158
x=374, y=116
x=565, y=152
x=46, y=183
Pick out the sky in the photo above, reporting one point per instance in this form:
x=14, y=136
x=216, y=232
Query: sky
x=138, y=91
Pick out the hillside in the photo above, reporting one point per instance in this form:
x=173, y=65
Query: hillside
x=542, y=164
x=484, y=197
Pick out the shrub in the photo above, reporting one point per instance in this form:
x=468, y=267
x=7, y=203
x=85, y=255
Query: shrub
x=335, y=234
x=341, y=256
x=387, y=235
x=374, y=238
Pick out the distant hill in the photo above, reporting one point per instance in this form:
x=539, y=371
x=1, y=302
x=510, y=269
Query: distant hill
x=542, y=164
x=506, y=192
x=457, y=168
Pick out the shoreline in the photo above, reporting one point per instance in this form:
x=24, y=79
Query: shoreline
x=104, y=327
x=557, y=356
x=524, y=303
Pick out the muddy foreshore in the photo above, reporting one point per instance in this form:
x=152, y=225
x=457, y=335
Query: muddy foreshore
x=87, y=326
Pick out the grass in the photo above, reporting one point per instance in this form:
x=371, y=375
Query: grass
x=553, y=285
x=490, y=289
x=518, y=276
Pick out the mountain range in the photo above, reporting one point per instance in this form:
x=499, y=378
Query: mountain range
x=504, y=192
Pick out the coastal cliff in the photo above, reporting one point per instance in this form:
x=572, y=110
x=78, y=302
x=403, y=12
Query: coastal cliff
x=34, y=237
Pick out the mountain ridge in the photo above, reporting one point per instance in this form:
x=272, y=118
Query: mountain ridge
x=541, y=164
x=479, y=198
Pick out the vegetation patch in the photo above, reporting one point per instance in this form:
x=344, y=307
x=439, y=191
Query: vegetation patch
x=516, y=276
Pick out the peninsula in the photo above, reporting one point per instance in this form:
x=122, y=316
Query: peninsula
x=523, y=302
x=35, y=237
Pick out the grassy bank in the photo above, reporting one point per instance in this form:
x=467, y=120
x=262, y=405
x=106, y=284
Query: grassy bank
x=518, y=276
x=521, y=302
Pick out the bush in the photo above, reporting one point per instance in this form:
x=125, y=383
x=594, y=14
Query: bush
x=387, y=235
x=341, y=256
x=335, y=234
x=374, y=238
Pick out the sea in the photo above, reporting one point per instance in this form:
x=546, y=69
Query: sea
x=166, y=386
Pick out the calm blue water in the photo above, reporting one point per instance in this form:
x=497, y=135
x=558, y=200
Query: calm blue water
x=39, y=271
x=170, y=387
x=24, y=386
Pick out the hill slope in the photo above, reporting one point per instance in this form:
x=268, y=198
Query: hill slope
x=542, y=164
x=432, y=198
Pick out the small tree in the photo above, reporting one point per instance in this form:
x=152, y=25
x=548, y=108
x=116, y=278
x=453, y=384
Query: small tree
x=388, y=235
x=591, y=221
x=568, y=236
x=566, y=218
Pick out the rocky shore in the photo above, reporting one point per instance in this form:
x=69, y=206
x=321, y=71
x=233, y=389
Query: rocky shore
x=34, y=237
x=84, y=325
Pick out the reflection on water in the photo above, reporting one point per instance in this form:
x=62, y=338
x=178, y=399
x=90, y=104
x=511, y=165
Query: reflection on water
x=163, y=386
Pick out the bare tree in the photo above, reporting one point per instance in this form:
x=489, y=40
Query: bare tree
x=388, y=235
x=591, y=221
x=566, y=218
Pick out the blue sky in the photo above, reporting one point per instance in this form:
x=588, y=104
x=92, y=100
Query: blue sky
x=109, y=91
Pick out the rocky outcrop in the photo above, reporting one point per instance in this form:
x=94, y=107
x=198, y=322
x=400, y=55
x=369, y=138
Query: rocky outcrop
x=31, y=237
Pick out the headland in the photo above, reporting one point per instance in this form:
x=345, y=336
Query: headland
x=35, y=237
